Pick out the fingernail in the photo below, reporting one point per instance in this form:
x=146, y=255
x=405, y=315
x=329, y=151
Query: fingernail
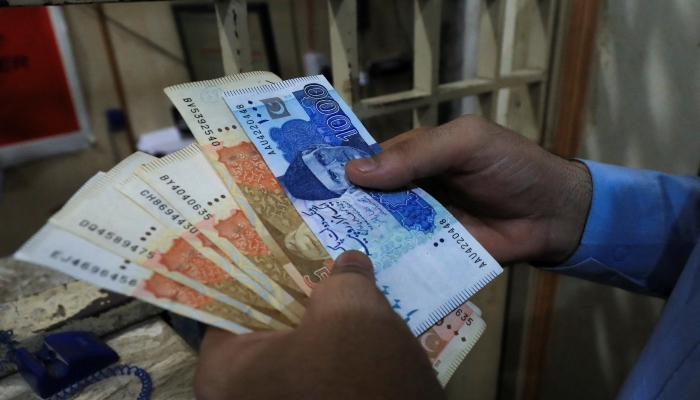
x=353, y=261
x=365, y=164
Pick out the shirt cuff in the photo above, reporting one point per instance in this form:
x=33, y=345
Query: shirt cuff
x=623, y=237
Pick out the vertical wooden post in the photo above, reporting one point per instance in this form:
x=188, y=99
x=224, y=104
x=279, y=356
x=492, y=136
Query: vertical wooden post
x=232, y=19
x=118, y=84
x=507, y=22
x=573, y=86
x=342, y=15
x=426, y=58
x=284, y=30
x=576, y=71
x=489, y=53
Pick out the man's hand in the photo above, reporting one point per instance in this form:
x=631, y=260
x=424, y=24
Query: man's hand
x=519, y=201
x=350, y=345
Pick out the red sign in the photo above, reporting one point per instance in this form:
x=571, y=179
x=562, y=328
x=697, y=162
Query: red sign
x=35, y=96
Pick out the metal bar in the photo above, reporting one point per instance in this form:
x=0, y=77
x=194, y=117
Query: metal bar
x=412, y=99
x=426, y=58
x=342, y=15
x=232, y=19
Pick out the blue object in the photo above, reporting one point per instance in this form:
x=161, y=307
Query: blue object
x=116, y=120
x=642, y=235
x=146, y=383
x=64, y=359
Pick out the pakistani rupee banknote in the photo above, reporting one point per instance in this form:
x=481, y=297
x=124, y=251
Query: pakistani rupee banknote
x=426, y=263
x=102, y=215
x=63, y=251
x=248, y=178
x=451, y=338
x=178, y=177
x=200, y=254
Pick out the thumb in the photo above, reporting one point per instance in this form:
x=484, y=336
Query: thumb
x=424, y=153
x=349, y=288
x=419, y=156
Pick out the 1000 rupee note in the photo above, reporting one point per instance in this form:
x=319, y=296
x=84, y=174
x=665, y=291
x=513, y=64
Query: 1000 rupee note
x=102, y=215
x=63, y=251
x=425, y=261
x=187, y=181
x=140, y=193
x=245, y=173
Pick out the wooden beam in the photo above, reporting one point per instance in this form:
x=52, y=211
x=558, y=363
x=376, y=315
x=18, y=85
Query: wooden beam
x=232, y=20
x=410, y=99
x=118, y=82
x=575, y=77
x=342, y=16
x=426, y=58
x=282, y=19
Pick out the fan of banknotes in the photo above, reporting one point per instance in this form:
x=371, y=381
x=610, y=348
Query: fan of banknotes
x=237, y=229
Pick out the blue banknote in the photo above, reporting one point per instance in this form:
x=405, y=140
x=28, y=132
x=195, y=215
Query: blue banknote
x=426, y=263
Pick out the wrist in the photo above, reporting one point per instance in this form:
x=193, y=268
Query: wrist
x=570, y=213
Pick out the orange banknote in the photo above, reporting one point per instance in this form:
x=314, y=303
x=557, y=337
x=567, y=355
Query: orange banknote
x=63, y=251
x=102, y=215
x=186, y=180
x=450, y=339
x=193, y=241
x=246, y=175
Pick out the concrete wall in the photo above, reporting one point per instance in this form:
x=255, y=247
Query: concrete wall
x=643, y=107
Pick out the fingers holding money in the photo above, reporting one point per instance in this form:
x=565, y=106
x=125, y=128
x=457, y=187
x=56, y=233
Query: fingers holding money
x=348, y=343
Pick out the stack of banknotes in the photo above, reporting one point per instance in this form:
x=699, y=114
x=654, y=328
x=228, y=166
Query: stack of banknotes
x=237, y=229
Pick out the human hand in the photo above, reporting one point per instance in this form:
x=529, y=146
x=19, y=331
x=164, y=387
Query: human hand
x=518, y=200
x=350, y=344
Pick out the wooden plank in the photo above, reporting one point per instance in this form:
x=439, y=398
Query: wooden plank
x=549, y=10
x=232, y=20
x=342, y=16
x=60, y=304
x=74, y=306
x=507, y=24
x=426, y=58
x=25, y=3
x=116, y=74
x=554, y=80
x=488, y=39
x=576, y=70
x=283, y=30
x=144, y=72
x=22, y=279
x=151, y=345
x=448, y=91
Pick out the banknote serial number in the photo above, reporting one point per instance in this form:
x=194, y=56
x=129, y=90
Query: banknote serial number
x=92, y=268
x=203, y=125
x=462, y=243
x=168, y=211
x=115, y=238
x=247, y=119
x=189, y=200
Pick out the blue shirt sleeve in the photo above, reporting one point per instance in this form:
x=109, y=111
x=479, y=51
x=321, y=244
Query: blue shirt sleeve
x=641, y=229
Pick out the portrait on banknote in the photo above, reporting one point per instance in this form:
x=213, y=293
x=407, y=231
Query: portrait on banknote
x=306, y=134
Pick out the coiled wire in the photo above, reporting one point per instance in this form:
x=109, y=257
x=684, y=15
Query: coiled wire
x=9, y=356
x=146, y=382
